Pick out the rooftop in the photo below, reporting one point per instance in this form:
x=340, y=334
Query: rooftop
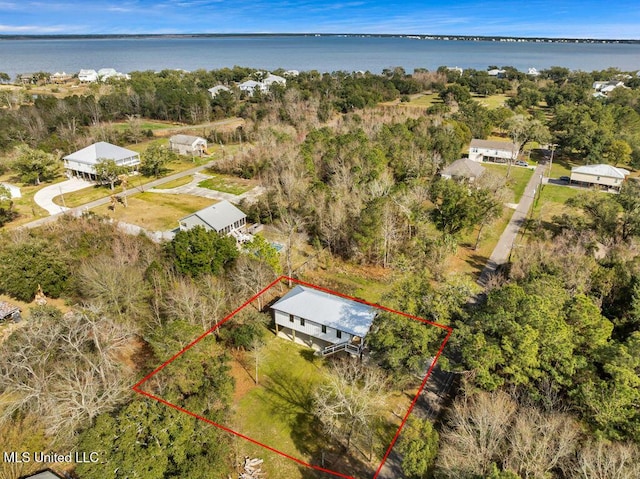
x=601, y=170
x=185, y=139
x=464, y=167
x=7, y=308
x=219, y=216
x=493, y=145
x=324, y=308
x=101, y=150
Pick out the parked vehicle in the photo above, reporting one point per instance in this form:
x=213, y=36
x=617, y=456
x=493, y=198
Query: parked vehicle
x=521, y=163
x=566, y=179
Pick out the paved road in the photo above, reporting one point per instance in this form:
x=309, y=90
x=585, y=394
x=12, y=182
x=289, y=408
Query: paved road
x=507, y=240
x=103, y=201
x=44, y=197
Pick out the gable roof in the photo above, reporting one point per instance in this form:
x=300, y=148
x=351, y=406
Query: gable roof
x=217, y=89
x=218, y=216
x=92, y=153
x=601, y=170
x=324, y=308
x=464, y=167
x=494, y=145
x=48, y=474
x=7, y=308
x=186, y=139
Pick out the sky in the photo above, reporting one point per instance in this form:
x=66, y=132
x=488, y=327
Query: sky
x=533, y=18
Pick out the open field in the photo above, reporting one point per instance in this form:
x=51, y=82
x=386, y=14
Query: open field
x=144, y=125
x=226, y=183
x=491, y=102
x=155, y=211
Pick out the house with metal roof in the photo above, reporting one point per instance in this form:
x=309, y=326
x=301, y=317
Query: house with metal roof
x=492, y=150
x=88, y=76
x=188, y=145
x=214, y=91
x=46, y=474
x=602, y=176
x=223, y=218
x=83, y=162
x=463, y=169
x=323, y=321
x=9, y=312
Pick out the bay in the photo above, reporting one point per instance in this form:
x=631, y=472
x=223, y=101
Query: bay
x=322, y=53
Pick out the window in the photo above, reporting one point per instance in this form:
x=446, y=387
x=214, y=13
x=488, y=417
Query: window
x=291, y=318
x=324, y=328
x=338, y=333
x=301, y=321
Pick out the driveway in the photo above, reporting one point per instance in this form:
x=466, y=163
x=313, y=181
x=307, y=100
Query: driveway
x=44, y=197
x=195, y=190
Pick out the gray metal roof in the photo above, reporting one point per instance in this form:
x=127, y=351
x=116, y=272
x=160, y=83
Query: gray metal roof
x=601, y=170
x=465, y=168
x=186, y=139
x=324, y=308
x=493, y=145
x=43, y=475
x=7, y=308
x=219, y=216
x=101, y=150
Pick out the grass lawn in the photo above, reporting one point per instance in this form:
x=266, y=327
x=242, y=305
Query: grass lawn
x=226, y=183
x=185, y=180
x=518, y=177
x=551, y=201
x=423, y=101
x=491, y=102
x=155, y=211
x=277, y=411
x=144, y=125
x=25, y=206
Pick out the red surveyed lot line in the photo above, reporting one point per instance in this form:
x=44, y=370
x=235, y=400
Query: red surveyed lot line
x=137, y=389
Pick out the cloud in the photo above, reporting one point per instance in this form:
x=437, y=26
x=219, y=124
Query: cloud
x=33, y=29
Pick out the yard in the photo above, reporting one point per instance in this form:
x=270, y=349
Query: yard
x=277, y=413
x=155, y=211
x=227, y=183
x=518, y=177
x=552, y=201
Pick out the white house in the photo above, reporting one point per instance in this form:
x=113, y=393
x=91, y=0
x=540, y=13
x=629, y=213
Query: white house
x=601, y=175
x=463, y=168
x=492, y=150
x=83, y=162
x=88, y=76
x=188, y=145
x=291, y=73
x=14, y=191
x=217, y=89
x=533, y=72
x=274, y=80
x=106, y=73
x=250, y=86
x=323, y=321
x=223, y=218
x=496, y=72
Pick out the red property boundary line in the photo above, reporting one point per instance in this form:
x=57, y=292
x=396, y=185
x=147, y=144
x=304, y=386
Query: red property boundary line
x=449, y=330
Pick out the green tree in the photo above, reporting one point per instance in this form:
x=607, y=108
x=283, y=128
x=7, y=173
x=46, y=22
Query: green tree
x=108, y=171
x=198, y=251
x=33, y=262
x=619, y=152
x=35, y=166
x=264, y=251
x=522, y=129
x=155, y=159
x=455, y=93
x=418, y=445
x=7, y=213
x=455, y=206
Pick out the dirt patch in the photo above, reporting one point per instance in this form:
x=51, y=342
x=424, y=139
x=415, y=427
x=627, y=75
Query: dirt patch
x=244, y=381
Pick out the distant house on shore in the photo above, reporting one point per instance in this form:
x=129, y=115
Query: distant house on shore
x=274, y=80
x=214, y=91
x=323, y=321
x=492, y=150
x=88, y=76
x=250, y=87
x=602, y=175
x=463, y=168
x=497, y=72
x=223, y=218
x=188, y=145
x=58, y=77
x=83, y=162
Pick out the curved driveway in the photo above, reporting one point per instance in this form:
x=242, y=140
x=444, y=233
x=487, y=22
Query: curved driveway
x=44, y=197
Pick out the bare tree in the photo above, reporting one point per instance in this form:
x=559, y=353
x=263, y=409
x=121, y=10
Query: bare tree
x=351, y=399
x=605, y=460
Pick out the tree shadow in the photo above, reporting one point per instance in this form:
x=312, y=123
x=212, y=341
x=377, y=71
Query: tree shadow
x=477, y=261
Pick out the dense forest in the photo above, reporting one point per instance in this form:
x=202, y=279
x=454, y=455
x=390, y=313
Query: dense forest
x=546, y=358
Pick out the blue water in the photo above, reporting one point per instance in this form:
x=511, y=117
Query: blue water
x=305, y=53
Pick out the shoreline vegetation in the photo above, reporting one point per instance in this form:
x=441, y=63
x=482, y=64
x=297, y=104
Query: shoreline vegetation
x=474, y=38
